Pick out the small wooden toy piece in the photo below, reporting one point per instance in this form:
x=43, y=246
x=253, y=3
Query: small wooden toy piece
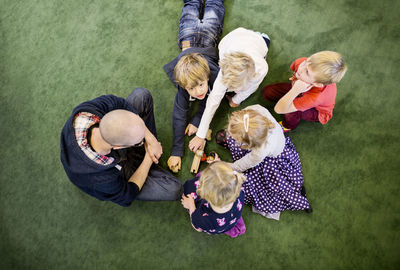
x=210, y=157
x=199, y=154
x=208, y=135
x=196, y=160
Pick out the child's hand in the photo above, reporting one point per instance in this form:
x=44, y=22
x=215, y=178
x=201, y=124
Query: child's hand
x=293, y=78
x=190, y=130
x=174, y=163
x=216, y=158
x=188, y=203
x=231, y=103
x=301, y=86
x=196, y=143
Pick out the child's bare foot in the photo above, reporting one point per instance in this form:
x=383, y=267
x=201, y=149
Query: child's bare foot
x=185, y=45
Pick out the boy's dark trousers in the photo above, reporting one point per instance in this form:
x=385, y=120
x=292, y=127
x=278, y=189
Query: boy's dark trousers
x=274, y=92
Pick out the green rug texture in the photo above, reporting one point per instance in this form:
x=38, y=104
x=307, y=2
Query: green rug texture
x=56, y=54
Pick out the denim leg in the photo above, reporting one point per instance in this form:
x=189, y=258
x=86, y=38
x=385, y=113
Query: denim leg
x=160, y=185
x=212, y=23
x=189, y=21
x=214, y=13
x=142, y=101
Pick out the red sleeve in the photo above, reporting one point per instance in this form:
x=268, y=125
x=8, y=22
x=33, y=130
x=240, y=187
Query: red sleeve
x=308, y=100
x=295, y=65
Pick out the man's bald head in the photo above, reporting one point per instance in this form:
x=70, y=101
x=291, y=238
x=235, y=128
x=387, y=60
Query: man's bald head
x=122, y=128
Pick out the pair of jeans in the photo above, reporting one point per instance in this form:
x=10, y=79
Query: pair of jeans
x=160, y=185
x=274, y=92
x=201, y=24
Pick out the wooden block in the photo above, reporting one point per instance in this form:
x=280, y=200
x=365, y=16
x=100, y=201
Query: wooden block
x=208, y=136
x=199, y=154
x=196, y=160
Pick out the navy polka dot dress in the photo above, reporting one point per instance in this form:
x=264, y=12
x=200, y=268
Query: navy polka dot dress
x=275, y=183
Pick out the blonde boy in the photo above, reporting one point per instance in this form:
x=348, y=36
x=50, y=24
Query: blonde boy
x=195, y=69
x=311, y=94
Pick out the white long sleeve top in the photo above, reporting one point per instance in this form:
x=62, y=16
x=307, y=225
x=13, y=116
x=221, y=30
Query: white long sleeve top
x=273, y=145
x=239, y=40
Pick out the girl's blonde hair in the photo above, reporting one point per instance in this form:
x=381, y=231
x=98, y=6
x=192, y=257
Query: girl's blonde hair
x=237, y=68
x=219, y=184
x=190, y=70
x=328, y=66
x=249, y=128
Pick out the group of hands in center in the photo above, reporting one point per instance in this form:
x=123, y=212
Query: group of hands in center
x=188, y=200
x=175, y=162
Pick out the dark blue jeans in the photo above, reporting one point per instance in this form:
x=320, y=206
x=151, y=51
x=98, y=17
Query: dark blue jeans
x=160, y=185
x=201, y=25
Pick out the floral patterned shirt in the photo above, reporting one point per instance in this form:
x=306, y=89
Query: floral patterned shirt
x=204, y=218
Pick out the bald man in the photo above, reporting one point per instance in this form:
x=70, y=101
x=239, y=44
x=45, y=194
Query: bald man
x=109, y=150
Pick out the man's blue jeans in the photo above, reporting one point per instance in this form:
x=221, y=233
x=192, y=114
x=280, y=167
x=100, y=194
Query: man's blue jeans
x=202, y=29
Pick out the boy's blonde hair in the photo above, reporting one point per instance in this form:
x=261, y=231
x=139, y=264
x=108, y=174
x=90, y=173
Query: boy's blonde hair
x=249, y=127
x=190, y=70
x=237, y=68
x=219, y=184
x=328, y=66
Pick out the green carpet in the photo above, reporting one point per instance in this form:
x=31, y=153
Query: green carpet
x=56, y=54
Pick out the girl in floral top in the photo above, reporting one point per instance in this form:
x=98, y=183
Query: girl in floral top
x=215, y=200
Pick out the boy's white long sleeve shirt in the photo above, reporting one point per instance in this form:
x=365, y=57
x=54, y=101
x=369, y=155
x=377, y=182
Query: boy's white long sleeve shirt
x=239, y=40
x=272, y=147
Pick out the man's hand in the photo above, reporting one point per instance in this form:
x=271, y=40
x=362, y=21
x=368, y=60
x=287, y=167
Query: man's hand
x=196, y=143
x=231, y=103
x=190, y=130
x=174, y=163
x=147, y=157
x=154, y=149
x=140, y=175
x=300, y=86
x=188, y=203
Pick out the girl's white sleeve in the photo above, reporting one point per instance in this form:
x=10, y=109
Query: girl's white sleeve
x=243, y=95
x=250, y=160
x=213, y=101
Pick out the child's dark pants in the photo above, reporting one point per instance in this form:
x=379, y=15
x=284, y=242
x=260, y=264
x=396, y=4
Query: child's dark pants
x=274, y=92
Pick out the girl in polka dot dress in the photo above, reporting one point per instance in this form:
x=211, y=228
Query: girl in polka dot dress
x=215, y=200
x=268, y=160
